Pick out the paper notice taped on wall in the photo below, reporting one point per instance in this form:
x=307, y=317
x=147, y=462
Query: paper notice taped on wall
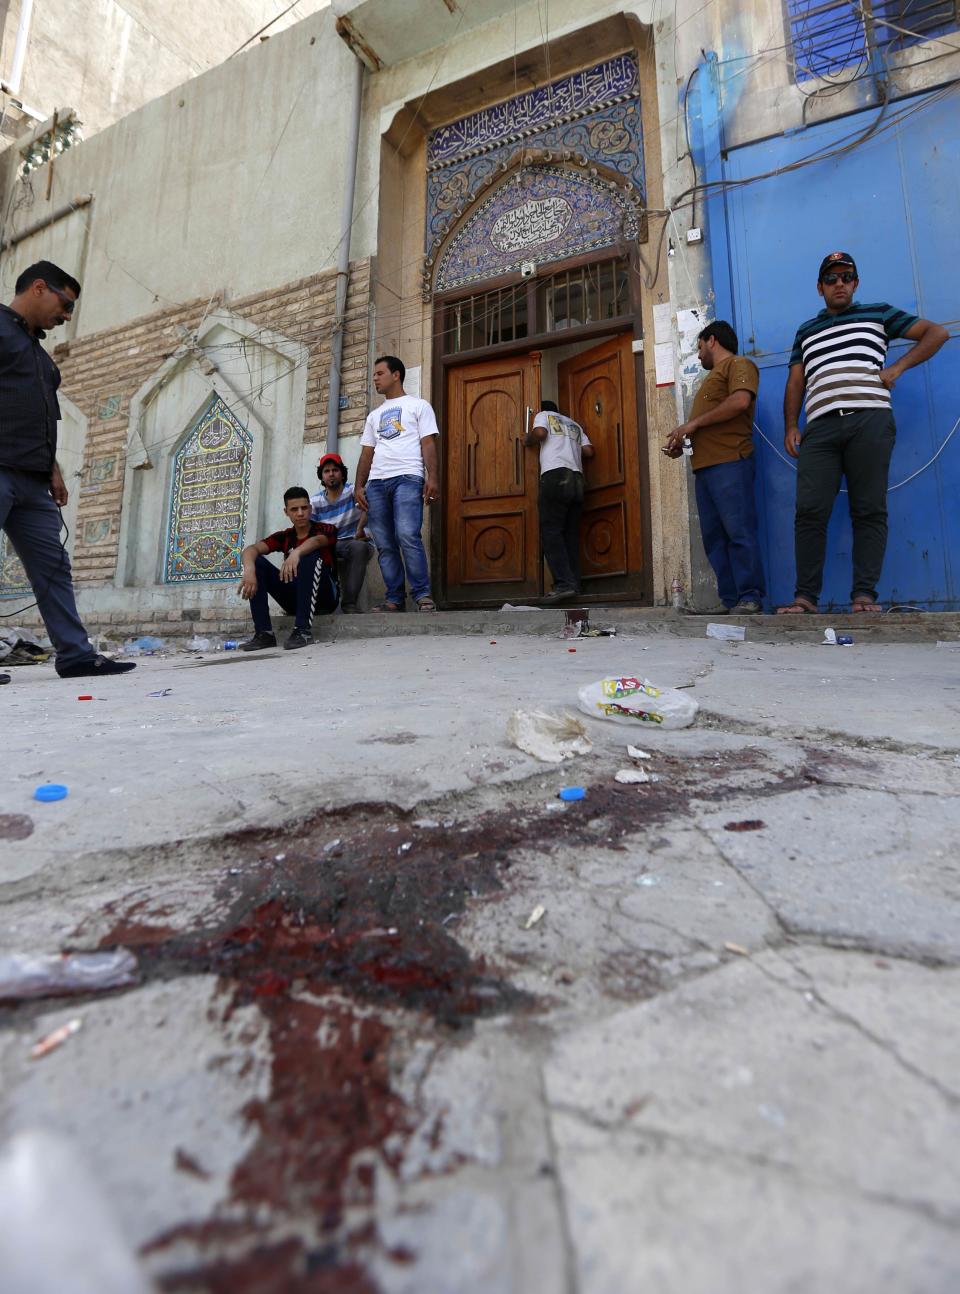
x=662, y=325
x=411, y=383
x=664, y=363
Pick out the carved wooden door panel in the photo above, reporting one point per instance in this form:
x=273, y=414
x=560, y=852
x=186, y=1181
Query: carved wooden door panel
x=598, y=390
x=492, y=526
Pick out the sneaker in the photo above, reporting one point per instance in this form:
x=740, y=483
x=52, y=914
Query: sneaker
x=96, y=668
x=259, y=642
x=558, y=595
x=298, y=638
x=747, y=608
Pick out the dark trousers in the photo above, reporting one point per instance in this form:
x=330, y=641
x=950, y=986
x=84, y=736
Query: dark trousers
x=313, y=592
x=352, y=558
x=31, y=521
x=561, y=502
x=858, y=446
x=728, y=524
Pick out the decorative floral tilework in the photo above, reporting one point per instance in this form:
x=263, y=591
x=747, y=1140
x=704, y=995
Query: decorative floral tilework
x=592, y=116
x=550, y=214
x=209, y=495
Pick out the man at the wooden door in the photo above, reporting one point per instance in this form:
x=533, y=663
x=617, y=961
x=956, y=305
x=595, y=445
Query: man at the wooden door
x=563, y=446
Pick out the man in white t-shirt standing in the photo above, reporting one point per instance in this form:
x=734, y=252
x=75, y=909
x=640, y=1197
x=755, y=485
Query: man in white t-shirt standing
x=563, y=445
x=396, y=475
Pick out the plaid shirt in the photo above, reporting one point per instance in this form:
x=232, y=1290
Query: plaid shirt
x=281, y=541
x=29, y=411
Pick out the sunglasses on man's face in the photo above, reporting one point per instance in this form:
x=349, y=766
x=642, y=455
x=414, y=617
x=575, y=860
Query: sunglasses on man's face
x=846, y=277
x=68, y=302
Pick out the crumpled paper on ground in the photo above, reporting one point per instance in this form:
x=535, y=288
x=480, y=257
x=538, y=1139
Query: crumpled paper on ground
x=550, y=737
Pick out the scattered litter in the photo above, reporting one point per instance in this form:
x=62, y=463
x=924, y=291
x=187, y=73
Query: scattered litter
x=146, y=645
x=55, y=1039
x=636, y=753
x=549, y=737
x=577, y=625
x=950, y=646
x=50, y=791
x=184, y=1162
x=331, y=844
x=197, y=643
x=20, y=647
x=629, y=775
x=727, y=633
x=648, y=880
x=86, y=697
x=163, y=692
x=628, y=700
x=536, y=915
x=572, y=793
x=508, y=606
x=231, y=644
x=737, y=948
x=493, y=642
x=278, y=858
x=26, y=975
x=832, y=639
x=573, y=649
x=15, y=826
x=748, y=824
x=425, y=823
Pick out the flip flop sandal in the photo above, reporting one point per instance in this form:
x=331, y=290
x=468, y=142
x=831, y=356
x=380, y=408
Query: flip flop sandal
x=387, y=606
x=796, y=608
x=865, y=604
x=426, y=604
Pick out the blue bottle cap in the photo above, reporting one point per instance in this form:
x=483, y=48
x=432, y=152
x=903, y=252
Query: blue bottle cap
x=50, y=791
x=572, y=793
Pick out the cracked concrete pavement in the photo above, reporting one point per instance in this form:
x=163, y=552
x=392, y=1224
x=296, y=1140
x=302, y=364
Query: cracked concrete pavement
x=722, y=1057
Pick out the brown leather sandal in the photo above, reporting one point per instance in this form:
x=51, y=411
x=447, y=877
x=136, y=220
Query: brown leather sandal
x=798, y=607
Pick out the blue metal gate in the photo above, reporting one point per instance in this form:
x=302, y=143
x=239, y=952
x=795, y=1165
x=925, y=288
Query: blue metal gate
x=893, y=201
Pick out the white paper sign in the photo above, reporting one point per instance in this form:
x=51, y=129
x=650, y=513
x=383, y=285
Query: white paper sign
x=662, y=328
x=411, y=383
x=663, y=363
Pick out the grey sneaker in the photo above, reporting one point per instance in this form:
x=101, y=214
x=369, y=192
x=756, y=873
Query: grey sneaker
x=259, y=642
x=747, y=608
x=298, y=638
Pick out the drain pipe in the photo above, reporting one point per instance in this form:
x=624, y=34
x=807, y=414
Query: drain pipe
x=343, y=261
x=12, y=87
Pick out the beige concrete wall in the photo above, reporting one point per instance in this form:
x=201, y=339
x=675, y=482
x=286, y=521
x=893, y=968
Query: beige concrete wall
x=230, y=184
x=106, y=58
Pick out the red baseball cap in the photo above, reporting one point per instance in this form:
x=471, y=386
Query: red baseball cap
x=337, y=462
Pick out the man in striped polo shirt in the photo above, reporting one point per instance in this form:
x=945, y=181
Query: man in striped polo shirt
x=839, y=360
x=335, y=505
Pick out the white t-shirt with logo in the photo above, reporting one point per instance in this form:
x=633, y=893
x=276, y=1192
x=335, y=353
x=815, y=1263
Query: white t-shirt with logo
x=563, y=442
x=394, y=431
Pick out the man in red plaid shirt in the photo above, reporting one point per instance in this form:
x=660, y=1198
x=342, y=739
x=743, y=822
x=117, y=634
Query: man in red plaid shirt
x=304, y=586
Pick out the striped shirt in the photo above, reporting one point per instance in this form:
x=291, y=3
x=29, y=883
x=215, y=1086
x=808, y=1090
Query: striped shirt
x=343, y=513
x=842, y=356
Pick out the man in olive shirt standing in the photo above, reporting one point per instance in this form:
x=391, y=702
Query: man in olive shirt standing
x=720, y=428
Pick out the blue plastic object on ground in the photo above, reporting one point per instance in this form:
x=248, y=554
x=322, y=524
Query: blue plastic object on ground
x=50, y=791
x=572, y=793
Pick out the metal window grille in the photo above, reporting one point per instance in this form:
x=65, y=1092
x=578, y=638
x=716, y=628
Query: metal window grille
x=829, y=37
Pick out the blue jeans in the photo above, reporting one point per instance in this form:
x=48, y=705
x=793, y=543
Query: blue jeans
x=395, y=520
x=728, y=524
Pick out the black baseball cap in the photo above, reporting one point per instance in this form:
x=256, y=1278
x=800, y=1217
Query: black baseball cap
x=833, y=259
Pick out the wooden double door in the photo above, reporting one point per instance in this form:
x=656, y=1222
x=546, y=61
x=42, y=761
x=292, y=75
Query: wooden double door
x=492, y=532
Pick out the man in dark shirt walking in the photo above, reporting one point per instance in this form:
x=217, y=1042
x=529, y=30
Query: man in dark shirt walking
x=840, y=359
x=32, y=489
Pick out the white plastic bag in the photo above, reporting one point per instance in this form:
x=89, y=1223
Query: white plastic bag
x=632, y=700
x=26, y=975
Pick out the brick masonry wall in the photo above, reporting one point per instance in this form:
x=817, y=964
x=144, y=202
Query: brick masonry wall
x=102, y=372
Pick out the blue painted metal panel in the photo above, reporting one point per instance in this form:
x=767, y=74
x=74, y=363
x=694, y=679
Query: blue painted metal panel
x=893, y=202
